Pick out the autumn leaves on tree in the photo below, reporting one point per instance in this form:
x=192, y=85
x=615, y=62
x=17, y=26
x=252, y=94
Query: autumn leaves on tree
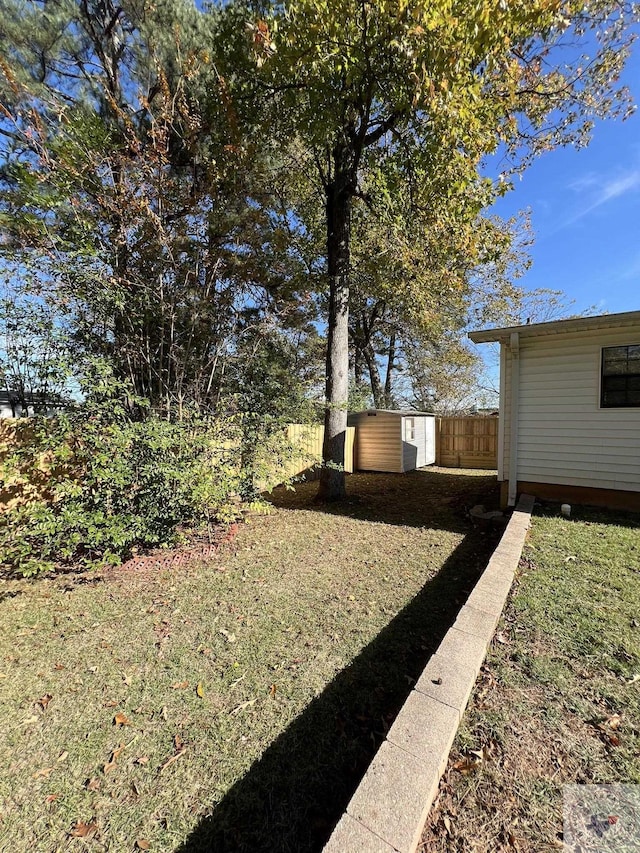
x=199, y=196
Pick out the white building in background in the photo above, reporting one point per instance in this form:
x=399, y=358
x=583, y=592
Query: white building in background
x=569, y=426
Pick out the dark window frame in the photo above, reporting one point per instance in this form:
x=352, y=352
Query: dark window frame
x=630, y=396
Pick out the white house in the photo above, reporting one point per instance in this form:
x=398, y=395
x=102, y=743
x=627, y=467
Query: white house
x=396, y=441
x=570, y=410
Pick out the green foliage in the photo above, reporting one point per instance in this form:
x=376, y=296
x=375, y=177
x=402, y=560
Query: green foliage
x=115, y=483
x=406, y=98
x=359, y=395
x=128, y=190
x=445, y=377
x=184, y=186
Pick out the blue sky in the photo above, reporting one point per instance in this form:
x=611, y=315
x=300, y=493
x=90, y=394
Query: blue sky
x=585, y=212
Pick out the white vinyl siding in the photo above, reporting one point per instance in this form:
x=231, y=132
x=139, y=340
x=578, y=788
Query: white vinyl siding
x=421, y=450
x=413, y=445
x=564, y=437
x=505, y=416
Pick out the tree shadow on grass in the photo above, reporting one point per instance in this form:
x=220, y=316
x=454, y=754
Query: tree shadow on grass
x=422, y=498
x=590, y=514
x=292, y=797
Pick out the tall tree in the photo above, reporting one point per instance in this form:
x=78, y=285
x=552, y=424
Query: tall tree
x=429, y=88
x=445, y=377
x=152, y=222
x=418, y=277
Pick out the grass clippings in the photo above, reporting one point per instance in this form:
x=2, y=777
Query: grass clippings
x=558, y=700
x=230, y=703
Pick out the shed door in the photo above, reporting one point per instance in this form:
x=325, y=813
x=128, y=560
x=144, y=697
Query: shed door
x=412, y=443
x=429, y=441
x=418, y=442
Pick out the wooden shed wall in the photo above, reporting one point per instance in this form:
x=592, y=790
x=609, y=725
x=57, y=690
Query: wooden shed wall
x=378, y=441
x=564, y=436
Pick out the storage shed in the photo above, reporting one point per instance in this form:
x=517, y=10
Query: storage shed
x=393, y=441
x=569, y=424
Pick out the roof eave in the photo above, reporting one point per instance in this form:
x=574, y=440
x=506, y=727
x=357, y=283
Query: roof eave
x=556, y=327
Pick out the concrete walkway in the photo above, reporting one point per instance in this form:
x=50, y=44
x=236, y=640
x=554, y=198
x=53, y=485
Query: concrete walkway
x=388, y=811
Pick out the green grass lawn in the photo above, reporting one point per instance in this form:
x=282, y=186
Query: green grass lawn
x=231, y=703
x=559, y=698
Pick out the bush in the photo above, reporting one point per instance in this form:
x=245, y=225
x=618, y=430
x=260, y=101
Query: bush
x=90, y=486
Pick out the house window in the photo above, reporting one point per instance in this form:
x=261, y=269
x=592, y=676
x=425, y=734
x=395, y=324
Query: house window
x=620, y=385
x=409, y=429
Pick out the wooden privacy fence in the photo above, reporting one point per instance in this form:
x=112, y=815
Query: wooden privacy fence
x=308, y=438
x=21, y=487
x=469, y=442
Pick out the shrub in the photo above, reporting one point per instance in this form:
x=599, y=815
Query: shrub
x=113, y=485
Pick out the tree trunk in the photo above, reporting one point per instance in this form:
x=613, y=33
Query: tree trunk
x=388, y=397
x=338, y=213
x=374, y=376
x=358, y=365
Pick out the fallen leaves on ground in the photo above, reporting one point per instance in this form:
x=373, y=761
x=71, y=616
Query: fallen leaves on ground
x=111, y=763
x=44, y=701
x=608, y=729
x=468, y=763
x=43, y=774
x=242, y=706
x=614, y=721
x=120, y=719
x=83, y=830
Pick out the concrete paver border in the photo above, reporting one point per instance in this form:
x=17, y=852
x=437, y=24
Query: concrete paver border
x=390, y=806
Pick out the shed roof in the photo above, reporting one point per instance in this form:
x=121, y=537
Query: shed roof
x=555, y=327
x=405, y=413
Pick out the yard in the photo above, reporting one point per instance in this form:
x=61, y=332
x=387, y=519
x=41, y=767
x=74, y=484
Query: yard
x=558, y=700
x=233, y=702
